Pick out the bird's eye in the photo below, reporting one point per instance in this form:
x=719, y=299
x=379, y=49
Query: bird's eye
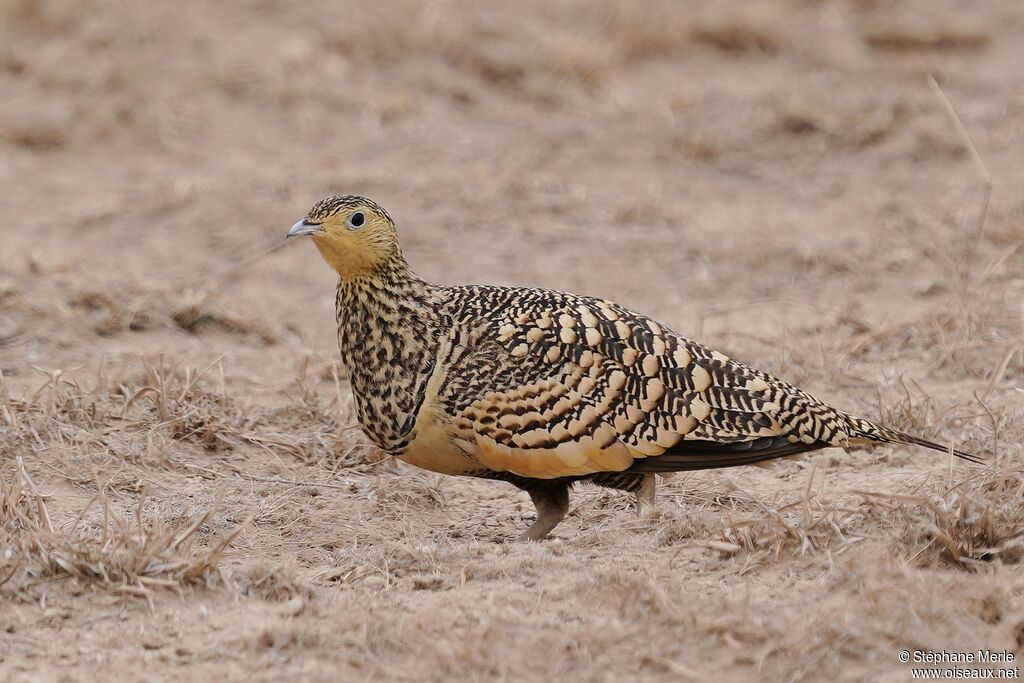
x=356, y=220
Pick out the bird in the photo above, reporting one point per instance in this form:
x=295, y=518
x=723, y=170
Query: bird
x=544, y=389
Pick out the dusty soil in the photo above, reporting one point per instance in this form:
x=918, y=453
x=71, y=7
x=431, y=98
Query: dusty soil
x=183, y=494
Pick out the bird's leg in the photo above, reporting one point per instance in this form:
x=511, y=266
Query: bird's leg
x=552, y=502
x=645, y=494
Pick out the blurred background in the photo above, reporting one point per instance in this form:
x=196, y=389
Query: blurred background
x=731, y=168
x=776, y=178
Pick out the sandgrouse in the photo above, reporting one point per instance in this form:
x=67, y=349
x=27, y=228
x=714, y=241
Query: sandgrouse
x=543, y=389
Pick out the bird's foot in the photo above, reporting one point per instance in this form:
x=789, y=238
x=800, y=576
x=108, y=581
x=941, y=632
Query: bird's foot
x=645, y=494
x=552, y=503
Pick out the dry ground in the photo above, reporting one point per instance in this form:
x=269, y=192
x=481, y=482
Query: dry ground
x=182, y=494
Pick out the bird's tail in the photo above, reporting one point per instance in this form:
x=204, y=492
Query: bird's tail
x=870, y=431
x=701, y=455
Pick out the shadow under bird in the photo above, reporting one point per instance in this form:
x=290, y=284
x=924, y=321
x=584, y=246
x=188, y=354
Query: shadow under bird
x=544, y=389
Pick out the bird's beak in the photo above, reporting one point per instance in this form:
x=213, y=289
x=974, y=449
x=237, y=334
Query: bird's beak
x=304, y=227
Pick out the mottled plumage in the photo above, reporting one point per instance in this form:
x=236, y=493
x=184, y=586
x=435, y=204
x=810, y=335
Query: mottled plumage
x=543, y=388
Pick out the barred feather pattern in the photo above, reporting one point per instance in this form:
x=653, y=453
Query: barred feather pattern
x=549, y=368
x=545, y=384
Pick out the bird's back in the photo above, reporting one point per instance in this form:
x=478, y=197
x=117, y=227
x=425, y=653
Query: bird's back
x=548, y=384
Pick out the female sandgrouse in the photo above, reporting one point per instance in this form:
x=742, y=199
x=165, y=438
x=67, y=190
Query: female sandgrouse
x=543, y=389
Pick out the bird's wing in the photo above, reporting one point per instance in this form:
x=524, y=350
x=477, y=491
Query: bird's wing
x=569, y=386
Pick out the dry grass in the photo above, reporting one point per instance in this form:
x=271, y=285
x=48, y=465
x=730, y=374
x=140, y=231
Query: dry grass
x=774, y=179
x=112, y=313
x=276, y=582
x=315, y=532
x=855, y=122
x=910, y=34
x=965, y=520
x=975, y=520
x=739, y=31
x=112, y=433
x=131, y=554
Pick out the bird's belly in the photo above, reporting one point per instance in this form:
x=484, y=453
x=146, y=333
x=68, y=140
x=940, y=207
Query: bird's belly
x=576, y=458
x=434, y=450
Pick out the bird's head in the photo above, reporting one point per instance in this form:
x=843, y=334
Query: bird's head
x=355, y=235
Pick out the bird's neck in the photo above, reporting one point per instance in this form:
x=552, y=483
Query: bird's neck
x=389, y=324
x=384, y=287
